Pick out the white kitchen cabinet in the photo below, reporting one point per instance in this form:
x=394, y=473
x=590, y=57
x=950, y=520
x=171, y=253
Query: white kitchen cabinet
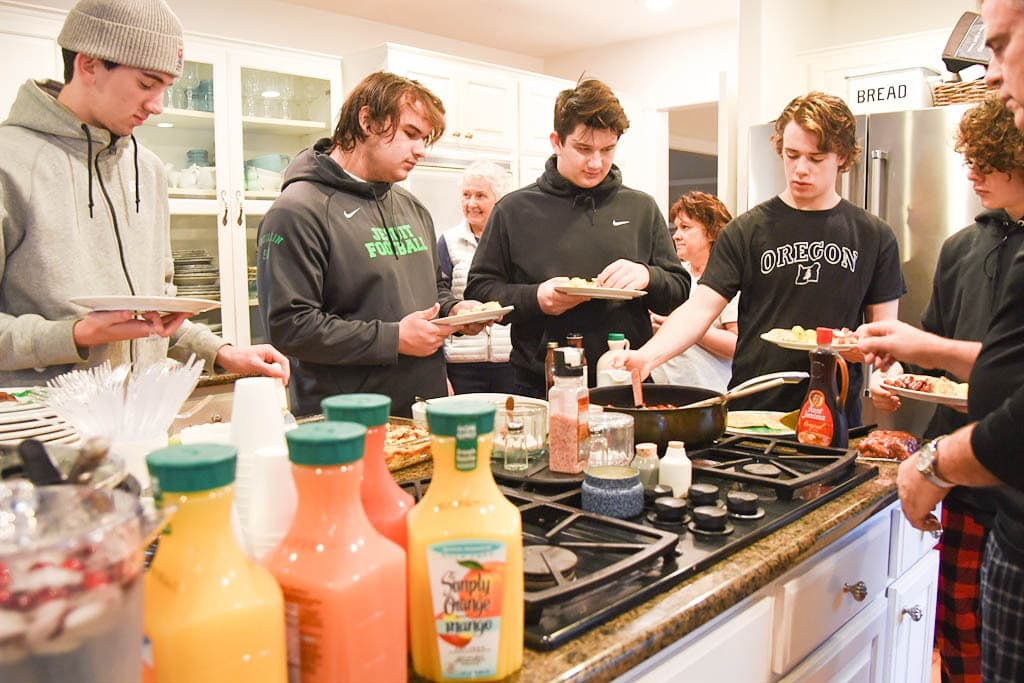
x=264, y=105
x=480, y=101
x=530, y=168
x=853, y=655
x=744, y=642
x=537, y=114
x=911, y=622
x=908, y=544
x=30, y=35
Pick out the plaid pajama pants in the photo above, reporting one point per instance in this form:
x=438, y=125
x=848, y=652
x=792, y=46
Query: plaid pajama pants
x=1002, y=617
x=957, y=615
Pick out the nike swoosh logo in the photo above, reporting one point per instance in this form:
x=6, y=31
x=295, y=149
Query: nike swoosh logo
x=353, y=212
x=618, y=223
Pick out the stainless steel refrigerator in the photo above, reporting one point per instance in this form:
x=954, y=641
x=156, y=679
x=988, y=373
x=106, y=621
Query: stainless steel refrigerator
x=910, y=176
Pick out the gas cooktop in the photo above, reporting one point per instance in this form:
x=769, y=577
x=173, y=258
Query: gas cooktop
x=583, y=569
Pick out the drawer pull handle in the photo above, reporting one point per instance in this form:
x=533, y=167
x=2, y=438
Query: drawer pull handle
x=915, y=613
x=859, y=590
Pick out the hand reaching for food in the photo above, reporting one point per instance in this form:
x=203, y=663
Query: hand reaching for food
x=624, y=274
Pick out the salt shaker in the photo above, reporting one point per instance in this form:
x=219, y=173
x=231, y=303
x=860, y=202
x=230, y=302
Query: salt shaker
x=598, y=447
x=516, y=459
x=646, y=462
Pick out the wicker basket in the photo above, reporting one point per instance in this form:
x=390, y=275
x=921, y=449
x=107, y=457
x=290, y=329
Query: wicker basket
x=960, y=92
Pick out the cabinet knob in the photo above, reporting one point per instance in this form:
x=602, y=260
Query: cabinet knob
x=859, y=590
x=915, y=613
x=469, y=136
x=456, y=134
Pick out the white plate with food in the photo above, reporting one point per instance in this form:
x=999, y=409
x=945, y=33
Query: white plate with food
x=477, y=316
x=757, y=423
x=941, y=390
x=21, y=399
x=163, y=304
x=798, y=338
x=595, y=292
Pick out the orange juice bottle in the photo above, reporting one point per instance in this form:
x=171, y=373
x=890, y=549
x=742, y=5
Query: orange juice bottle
x=385, y=502
x=343, y=581
x=465, y=556
x=211, y=613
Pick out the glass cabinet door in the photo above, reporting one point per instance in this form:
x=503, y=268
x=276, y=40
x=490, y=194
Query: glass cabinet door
x=185, y=137
x=284, y=108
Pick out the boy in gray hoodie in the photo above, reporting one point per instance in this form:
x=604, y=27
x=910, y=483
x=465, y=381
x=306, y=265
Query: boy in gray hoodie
x=83, y=207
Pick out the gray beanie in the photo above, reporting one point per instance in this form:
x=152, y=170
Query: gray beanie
x=141, y=33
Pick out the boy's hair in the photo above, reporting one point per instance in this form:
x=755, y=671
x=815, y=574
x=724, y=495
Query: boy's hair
x=69, y=64
x=591, y=103
x=827, y=117
x=706, y=209
x=989, y=140
x=384, y=94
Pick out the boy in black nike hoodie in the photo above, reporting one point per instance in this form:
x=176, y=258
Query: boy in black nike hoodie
x=577, y=220
x=347, y=268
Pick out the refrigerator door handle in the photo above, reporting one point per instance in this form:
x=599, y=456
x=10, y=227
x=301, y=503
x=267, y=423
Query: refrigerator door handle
x=876, y=200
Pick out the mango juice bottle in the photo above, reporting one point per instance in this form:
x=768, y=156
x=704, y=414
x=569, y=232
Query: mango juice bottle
x=343, y=581
x=465, y=556
x=384, y=501
x=211, y=613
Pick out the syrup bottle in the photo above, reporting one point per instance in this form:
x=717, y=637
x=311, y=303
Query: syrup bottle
x=549, y=368
x=822, y=420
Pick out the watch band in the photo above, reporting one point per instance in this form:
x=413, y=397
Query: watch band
x=926, y=463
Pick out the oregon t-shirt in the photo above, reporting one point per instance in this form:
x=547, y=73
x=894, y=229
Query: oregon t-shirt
x=808, y=268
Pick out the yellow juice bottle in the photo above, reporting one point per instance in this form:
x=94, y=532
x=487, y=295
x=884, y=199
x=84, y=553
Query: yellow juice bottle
x=211, y=614
x=465, y=557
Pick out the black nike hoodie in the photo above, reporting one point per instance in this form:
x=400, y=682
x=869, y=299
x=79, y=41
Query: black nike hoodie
x=553, y=228
x=340, y=262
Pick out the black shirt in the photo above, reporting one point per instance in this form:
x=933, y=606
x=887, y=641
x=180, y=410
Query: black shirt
x=807, y=268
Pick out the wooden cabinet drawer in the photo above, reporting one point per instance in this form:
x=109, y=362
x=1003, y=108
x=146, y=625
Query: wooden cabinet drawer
x=823, y=594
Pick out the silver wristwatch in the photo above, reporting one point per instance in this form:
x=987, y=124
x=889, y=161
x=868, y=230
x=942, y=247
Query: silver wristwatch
x=926, y=463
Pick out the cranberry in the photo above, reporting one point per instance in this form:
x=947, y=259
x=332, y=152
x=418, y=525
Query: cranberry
x=73, y=563
x=95, y=578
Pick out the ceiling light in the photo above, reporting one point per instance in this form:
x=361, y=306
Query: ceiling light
x=165, y=124
x=270, y=94
x=657, y=4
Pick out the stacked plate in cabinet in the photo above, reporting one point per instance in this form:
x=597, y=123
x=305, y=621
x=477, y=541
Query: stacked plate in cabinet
x=25, y=416
x=195, y=275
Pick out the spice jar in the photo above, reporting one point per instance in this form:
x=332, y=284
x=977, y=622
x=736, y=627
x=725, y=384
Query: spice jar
x=568, y=411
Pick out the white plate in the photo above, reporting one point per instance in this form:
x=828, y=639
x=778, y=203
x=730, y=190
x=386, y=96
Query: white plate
x=45, y=433
x=22, y=404
x=31, y=423
x=163, y=304
x=601, y=292
x=474, y=316
x=927, y=396
x=773, y=338
x=747, y=415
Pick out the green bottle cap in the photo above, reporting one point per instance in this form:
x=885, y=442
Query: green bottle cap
x=369, y=410
x=192, y=467
x=326, y=443
x=616, y=336
x=445, y=418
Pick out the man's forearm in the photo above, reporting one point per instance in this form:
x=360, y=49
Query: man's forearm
x=957, y=464
x=953, y=355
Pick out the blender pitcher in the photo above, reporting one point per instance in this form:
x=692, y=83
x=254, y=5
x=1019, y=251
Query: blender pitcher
x=71, y=567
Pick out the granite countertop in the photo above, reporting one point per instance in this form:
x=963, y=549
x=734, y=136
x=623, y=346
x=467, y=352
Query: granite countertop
x=624, y=642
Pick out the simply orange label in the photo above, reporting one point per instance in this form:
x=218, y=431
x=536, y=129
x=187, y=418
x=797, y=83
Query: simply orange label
x=467, y=584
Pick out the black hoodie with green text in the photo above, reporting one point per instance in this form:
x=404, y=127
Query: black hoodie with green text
x=340, y=263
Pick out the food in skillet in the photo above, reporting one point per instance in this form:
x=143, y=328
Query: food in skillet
x=888, y=444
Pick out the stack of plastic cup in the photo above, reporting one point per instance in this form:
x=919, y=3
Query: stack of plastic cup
x=264, y=492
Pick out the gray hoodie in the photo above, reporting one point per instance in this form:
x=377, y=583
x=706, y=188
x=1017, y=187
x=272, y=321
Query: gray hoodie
x=82, y=213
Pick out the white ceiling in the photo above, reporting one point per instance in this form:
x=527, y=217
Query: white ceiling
x=537, y=28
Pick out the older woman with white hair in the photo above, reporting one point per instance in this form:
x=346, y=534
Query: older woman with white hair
x=476, y=362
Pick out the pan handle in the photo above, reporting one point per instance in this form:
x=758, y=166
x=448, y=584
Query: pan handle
x=787, y=376
x=761, y=385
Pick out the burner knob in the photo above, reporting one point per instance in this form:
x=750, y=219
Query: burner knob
x=741, y=502
x=710, y=518
x=669, y=509
x=702, y=494
x=652, y=493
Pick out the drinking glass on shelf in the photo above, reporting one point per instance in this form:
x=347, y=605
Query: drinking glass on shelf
x=271, y=97
x=189, y=80
x=288, y=97
x=251, y=90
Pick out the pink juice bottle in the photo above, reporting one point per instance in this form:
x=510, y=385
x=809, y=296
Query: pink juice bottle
x=344, y=583
x=386, y=504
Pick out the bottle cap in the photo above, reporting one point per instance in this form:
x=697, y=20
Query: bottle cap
x=326, y=443
x=445, y=418
x=824, y=335
x=369, y=410
x=568, y=362
x=677, y=444
x=616, y=336
x=647, y=449
x=192, y=467
x=514, y=426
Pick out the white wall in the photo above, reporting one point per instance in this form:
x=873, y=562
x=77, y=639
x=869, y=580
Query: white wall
x=297, y=27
